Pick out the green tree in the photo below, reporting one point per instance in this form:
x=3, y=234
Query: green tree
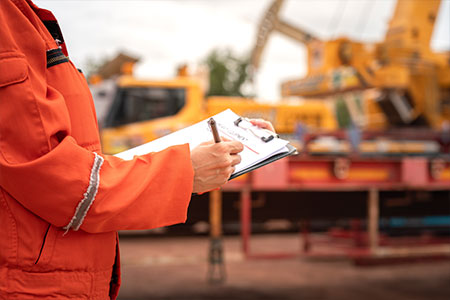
x=228, y=73
x=92, y=65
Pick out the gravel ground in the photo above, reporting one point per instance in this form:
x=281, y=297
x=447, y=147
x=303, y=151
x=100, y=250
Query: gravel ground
x=176, y=268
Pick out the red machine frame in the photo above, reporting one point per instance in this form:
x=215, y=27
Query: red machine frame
x=306, y=173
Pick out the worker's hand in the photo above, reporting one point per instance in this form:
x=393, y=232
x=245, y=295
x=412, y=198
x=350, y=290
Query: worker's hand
x=214, y=163
x=262, y=124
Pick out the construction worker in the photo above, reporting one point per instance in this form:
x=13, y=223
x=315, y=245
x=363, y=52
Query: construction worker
x=61, y=200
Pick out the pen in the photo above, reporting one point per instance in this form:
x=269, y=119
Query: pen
x=212, y=125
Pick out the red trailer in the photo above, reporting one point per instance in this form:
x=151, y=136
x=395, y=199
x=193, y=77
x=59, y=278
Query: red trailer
x=366, y=178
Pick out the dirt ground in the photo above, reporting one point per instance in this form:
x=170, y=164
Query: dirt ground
x=176, y=268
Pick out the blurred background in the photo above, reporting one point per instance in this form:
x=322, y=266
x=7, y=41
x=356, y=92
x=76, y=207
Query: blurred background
x=360, y=87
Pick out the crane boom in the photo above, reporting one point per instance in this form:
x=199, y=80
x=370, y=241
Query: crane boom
x=412, y=23
x=271, y=22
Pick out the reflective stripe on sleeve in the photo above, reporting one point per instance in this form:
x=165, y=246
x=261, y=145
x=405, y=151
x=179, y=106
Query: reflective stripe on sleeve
x=89, y=196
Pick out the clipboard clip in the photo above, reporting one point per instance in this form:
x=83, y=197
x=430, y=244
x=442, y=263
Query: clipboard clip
x=244, y=123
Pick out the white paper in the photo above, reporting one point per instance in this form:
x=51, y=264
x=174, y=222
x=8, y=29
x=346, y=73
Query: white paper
x=255, y=150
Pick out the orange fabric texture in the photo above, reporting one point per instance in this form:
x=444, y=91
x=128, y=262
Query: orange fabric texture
x=54, y=179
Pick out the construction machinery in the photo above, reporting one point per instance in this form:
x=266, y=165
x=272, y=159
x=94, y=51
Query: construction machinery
x=376, y=93
x=372, y=125
x=391, y=160
x=398, y=82
x=378, y=115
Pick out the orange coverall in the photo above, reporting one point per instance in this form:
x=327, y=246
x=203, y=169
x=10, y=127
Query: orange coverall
x=61, y=200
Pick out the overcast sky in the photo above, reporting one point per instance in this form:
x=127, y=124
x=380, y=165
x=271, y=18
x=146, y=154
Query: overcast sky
x=166, y=33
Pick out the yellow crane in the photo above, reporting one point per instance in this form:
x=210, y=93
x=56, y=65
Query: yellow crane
x=397, y=82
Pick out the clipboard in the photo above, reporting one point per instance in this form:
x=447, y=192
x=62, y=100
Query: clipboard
x=291, y=151
x=261, y=147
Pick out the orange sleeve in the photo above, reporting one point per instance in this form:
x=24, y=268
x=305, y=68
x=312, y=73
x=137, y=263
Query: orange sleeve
x=44, y=168
x=149, y=191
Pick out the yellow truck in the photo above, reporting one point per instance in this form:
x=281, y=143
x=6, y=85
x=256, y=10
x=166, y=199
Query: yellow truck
x=143, y=110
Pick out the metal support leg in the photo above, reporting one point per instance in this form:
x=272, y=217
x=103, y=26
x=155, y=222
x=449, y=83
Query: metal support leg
x=373, y=215
x=216, y=272
x=304, y=231
x=246, y=216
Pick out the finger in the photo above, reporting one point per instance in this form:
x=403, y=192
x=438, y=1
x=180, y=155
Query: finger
x=235, y=159
x=259, y=122
x=262, y=124
x=230, y=172
x=234, y=146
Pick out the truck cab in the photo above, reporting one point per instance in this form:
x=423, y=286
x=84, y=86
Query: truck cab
x=143, y=110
